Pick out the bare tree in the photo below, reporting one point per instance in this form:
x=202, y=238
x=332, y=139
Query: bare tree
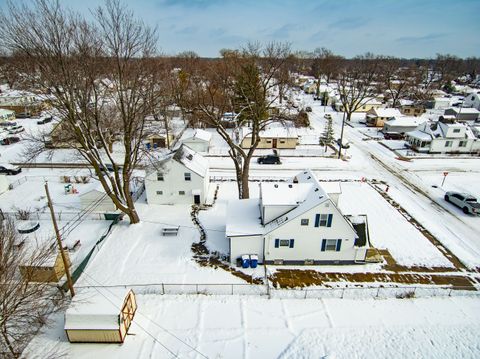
x=98, y=73
x=247, y=83
x=24, y=303
x=324, y=63
x=395, y=80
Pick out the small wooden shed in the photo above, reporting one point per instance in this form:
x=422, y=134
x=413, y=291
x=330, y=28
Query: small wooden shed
x=100, y=315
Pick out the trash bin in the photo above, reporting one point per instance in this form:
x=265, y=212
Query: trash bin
x=147, y=145
x=253, y=260
x=245, y=261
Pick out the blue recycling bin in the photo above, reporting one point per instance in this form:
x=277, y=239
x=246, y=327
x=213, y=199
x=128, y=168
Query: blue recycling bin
x=245, y=261
x=253, y=261
x=147, y=145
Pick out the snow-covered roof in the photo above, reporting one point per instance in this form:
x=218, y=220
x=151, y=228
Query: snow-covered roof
x=192, y=160
x=464, y=110
x=421, y=135
x=200, y=134
x=243, y=218
x=406, y=121
x=96, y=308
x=386, y=112
x=273, y=132
x=4, y=112
x=283, y=194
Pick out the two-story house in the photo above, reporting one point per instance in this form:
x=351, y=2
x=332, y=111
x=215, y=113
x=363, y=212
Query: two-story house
x=294, y=223
x=442, y=137
x=180, y=178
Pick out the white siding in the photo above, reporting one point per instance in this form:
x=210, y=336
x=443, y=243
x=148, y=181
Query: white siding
x=438, y=146
x=3, y=184
x=308, y=239
x=246, y=245
x=272, y=212
x=197, y=145
x=174, y=182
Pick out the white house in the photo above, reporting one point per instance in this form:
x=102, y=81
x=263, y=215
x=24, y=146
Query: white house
x=402, y=124
x=199, y=141
x=442, y=137
x=463, y=114
x=293, y=223
x=472, y=100
x=7, y=115
x=96, y=200
x=180, y=178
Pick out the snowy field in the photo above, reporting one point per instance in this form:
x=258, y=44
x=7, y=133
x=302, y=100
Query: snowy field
x=249, y=327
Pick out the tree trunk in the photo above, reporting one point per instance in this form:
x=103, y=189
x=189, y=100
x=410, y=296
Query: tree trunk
x=133, y=216
x=244, y=179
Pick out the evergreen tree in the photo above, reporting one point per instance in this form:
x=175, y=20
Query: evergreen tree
x=327, y=136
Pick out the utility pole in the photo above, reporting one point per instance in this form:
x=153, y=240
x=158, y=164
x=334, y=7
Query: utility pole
x=341, y=137
x=59, y=242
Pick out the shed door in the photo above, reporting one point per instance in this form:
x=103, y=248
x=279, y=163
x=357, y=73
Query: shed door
x=274, y=143
x=196, y=199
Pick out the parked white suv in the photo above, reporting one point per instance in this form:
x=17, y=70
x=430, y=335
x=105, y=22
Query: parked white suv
x=465, y=201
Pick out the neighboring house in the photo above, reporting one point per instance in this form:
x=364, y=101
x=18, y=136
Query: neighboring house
x=7, y=115
x=439, y=103
x=180, y=178
x=376, y=117
x=472, y=100
x=365, y=106
x=100, y=315
x=443, y=138
x=96, y=200
x=199, y=141
x=463, y=114
x=293, y=223
x=23, y=102
x=272, y=137
x=412, y=109
x=402, y=124
x=4, y=184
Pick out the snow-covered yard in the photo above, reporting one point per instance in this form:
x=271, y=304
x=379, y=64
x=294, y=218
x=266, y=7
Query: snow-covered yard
x=252, y=327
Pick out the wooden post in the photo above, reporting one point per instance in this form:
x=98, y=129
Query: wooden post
x=59, y=242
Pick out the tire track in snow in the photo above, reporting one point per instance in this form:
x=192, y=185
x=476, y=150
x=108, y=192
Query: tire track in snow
x=244, y=322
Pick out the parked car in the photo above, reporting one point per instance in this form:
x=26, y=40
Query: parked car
x=23, y=115
x=7, y=124
x=327, y=116
x=9, y=169
x=465, y=201
x=15, y=129
x=9, y=140
x=308, y=109
x=393, y=136
x=44, y=120
x=269, y=159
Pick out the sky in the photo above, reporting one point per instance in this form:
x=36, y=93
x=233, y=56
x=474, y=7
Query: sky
x=403, y=28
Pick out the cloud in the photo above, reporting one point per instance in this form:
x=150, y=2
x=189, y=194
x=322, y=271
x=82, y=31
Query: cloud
x=191, y=3
x=284, y=31
x=187, y=30
x=428, y=37
x=349, y=23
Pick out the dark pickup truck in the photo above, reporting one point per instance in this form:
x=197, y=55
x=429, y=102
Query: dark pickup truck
x=269, y=160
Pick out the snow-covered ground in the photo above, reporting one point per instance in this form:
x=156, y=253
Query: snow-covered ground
x=251, y=327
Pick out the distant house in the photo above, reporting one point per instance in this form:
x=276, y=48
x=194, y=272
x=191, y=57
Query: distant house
x=440, y=103
x=272, y=137
x=412, y=109
x=463, y=114
x=472, y=100
x=100, y=315
x=180, y=178
x=51, y=269
x=159, y=140
x=199, y=141
x=294, y=223
x=365, y=105
x=23, y=102
x=7, y=115
x=376, y=117
x=96, y=200
x=402, y=124
x=443, y=138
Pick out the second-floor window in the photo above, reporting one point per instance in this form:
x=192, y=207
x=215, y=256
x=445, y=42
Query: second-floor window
x=448, y=144
x=323, y=220
x=187, y=176
x=159, y=176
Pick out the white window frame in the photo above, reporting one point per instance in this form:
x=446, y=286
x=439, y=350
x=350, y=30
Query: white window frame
x=304, y=222
x=284, y=243
x=448, y=143
x=160, y=176
x=323, y=220
x=329, y=243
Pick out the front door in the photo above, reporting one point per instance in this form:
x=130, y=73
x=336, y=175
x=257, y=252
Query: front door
x=274, y=143
x=196, y=199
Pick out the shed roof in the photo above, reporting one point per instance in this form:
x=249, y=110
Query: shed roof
x=96, y=308
x=201, y=135
x=243, y=218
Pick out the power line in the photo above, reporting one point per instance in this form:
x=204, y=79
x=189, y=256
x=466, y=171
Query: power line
x=146, y=317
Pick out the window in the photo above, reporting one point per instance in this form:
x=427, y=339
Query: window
x=462, y=144
x=323, y=220
x=159, y=193
x=304, y=221
x=159, y=176
x=188, y=176
x=181, y=193
x=448, y=144
x=333, y=245
x=284, y=243
x=456, y=130
x=282, y=141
